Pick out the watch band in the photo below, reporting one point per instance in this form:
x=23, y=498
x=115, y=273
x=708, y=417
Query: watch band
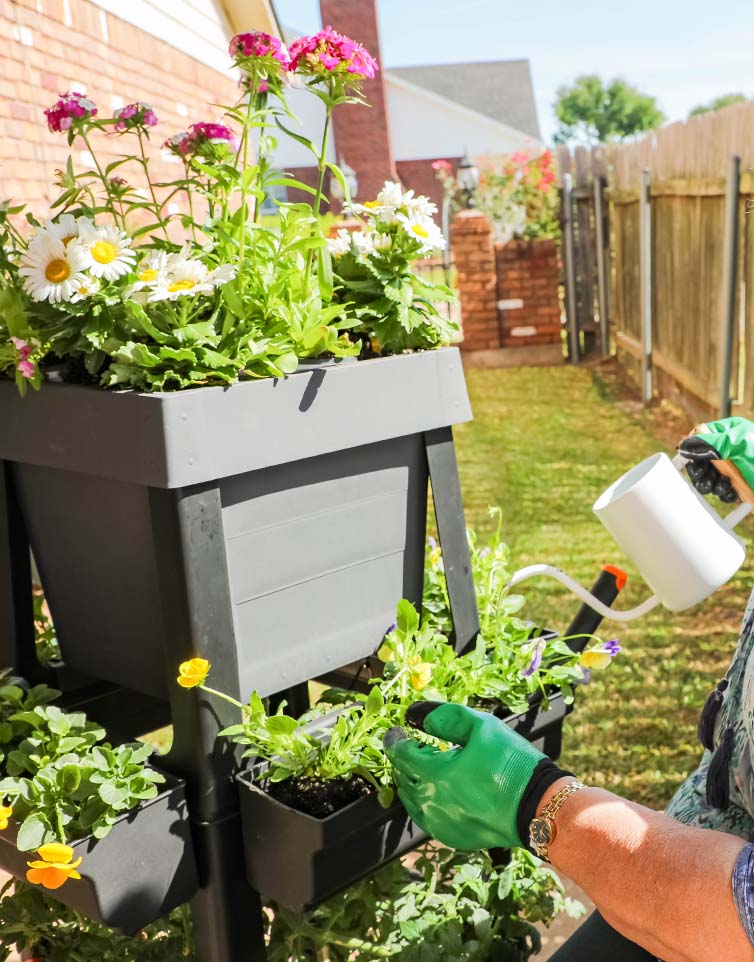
x=542, y=830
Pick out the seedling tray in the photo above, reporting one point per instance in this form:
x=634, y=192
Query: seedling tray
x=299, y=861
x=139, y=872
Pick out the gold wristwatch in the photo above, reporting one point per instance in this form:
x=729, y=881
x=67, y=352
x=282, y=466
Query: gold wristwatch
x=542, y=829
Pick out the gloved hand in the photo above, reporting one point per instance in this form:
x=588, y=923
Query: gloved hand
x=481, y=795
x=721, y=459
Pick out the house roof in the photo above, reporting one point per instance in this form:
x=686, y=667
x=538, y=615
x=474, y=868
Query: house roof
x=501, y=89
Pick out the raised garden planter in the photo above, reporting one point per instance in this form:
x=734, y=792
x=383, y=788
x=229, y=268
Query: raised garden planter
x=299, y=861
x=139, y=872
x=297, y=506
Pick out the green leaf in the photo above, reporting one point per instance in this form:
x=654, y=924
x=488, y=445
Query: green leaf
x=304, y=141
x=113, y=795
x=407, y=617
x=32, y=833
x=282, y=725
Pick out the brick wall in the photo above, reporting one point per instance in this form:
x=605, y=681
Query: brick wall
x=474, y=253
x=48, y=47
x=523, y=275
x=528, y=276
x=362, y=134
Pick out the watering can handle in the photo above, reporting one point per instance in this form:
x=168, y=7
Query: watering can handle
x=736, y=516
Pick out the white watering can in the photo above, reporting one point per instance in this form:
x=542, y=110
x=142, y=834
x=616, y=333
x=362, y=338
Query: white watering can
x=683, y=549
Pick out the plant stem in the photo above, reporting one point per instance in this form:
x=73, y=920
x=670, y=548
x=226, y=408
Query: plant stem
x=103, y=178
x=145, y=165
x=245, y=147
x=220, y=694
x=190, y=202
x=320, y=180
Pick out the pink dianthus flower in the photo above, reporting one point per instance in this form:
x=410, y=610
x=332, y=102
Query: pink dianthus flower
x=71, y=108
x=135, y=115
x=329, y=52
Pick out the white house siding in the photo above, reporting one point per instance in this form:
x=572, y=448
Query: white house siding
x=310, y=121
x=198, y=28
x=424, y=125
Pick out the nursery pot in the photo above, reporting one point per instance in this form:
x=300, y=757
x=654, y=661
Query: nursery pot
x=140, y=871
x=286, y=516
x=299, y=861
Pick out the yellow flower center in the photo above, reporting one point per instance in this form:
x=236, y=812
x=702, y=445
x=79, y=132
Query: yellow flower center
x=103, y=252
x=419, y=230
x=57, y=271
x=67, y=240
x=184, y=285
x=148, y=275
x=371, y=204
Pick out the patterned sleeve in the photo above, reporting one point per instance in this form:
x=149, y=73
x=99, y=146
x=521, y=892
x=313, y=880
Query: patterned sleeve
x=743, y=889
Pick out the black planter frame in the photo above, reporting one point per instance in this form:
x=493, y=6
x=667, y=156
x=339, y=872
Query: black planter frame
x=140, y=871
x=299, y=861
x=187, y=522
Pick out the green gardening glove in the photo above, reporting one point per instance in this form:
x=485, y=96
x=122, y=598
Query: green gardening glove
x=721, y=458
x=482, y=794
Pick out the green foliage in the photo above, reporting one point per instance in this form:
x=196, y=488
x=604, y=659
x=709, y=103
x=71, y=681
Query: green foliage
x=449, y=905
x=47, y=647
x=520, y=196
x=590, y=110
x=62, y=781
x=145, y=295
x=718, y=103
x=32, y=921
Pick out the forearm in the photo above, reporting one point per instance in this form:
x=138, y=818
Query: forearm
x=662, y=884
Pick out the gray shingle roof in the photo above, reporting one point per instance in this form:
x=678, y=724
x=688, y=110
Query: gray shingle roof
x=501, y=89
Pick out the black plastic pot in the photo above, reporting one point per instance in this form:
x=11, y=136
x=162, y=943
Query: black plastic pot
x=299, y=861
x=140, y=871
x=288, y=516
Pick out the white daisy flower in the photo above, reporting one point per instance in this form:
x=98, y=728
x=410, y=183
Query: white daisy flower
x=108, y=251
x=419, y=206
x=88, y=288
x=424, y=230
x=363, y=242
x=391, y=195
x=188, y=275
x=67, y=227
x=340, y=244
x=51, y=271
x=149, y=271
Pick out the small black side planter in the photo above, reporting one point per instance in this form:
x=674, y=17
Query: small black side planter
x=143, y=869
x=300, y=861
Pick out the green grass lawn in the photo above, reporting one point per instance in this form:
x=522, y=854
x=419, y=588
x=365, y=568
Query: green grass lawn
x=544, y=443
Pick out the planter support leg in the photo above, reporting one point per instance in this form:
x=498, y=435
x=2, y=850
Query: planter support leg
x=17, y=647
x=227, y=913
x=451, y=527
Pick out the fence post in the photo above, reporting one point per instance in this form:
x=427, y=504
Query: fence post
x=569, y=268
x=730, y=283
x=645, y=267
x=602, y=235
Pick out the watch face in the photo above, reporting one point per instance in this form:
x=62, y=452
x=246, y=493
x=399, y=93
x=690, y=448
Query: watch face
x=541, y=832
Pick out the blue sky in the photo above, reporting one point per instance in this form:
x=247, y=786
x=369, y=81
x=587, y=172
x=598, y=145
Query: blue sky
x=684, y=52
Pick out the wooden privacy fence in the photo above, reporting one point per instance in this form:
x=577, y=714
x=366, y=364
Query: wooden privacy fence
x=585, y=249
x=682, y=277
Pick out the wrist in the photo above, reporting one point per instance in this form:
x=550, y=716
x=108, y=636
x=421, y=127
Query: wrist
x=545, y=781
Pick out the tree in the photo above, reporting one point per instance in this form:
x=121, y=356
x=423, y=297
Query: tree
x=717, y=104
x=590, y=111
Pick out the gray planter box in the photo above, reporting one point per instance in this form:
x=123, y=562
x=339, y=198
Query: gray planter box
x=141, y=871
x=283, y=518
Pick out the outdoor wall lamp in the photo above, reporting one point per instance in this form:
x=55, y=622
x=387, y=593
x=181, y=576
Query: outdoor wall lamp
x=467, y=178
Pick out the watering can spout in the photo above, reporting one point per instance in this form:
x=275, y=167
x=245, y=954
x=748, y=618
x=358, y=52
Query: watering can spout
x=533, y=571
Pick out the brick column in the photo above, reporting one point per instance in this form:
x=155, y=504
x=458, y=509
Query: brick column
x=362, y=134
x=528, y=275
x=474, y=254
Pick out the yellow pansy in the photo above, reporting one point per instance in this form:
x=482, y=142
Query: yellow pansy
x=5, y=814
x=54, y=867
x=595, y=659
x=421, y=673
x=193, y=672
